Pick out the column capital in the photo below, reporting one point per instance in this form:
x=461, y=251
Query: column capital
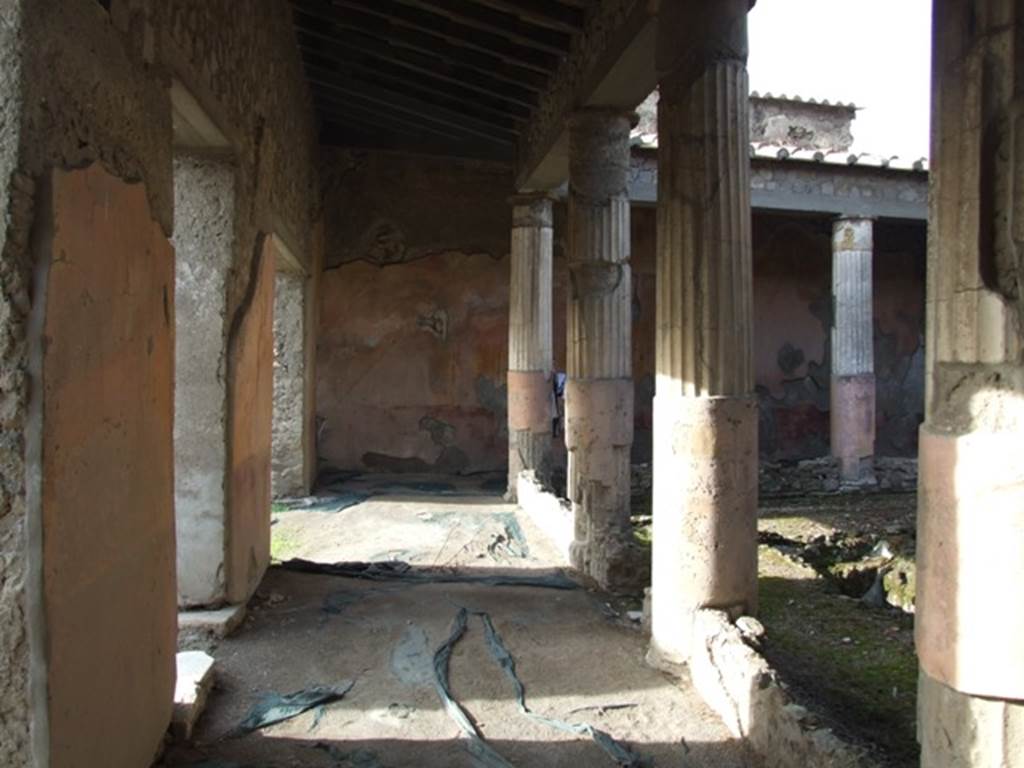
x=693, y=34
x=532, y=209
x=599, y=155
x=853, y=233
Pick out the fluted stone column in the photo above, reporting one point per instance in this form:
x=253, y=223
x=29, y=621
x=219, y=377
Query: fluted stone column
x=599, y=390
x=705, y=413
x=853, y=357
x=529, y=340
x=969, y=625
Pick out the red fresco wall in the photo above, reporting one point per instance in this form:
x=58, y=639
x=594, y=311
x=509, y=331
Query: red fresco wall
x=412, y=348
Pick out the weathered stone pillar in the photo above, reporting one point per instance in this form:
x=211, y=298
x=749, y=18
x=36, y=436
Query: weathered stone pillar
x=599, y=390
x=705, y=413
x=204, y=244
x=288, y=469
x=530, y=360
x=970, y=625
x=853, y=356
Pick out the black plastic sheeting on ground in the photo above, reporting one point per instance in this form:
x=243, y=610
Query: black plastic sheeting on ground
x=484, y=755
x=397, y=571
x=333, y=503
x=275, y=708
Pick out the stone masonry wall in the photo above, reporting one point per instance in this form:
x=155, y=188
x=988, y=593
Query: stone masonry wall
x=80, y=85
x=287, y=478
x=204, y=256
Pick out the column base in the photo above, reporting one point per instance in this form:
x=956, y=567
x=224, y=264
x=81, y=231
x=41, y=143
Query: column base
x=599, y=436
x=957, y=730
x=705, y=515
x=853, y=427
x=970, y=573
x=529, y=451
x=530, y=414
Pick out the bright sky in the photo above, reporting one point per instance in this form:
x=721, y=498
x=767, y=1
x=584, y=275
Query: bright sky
x=875, y=53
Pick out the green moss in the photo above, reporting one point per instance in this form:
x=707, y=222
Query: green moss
x=283, y=545
x=855, y=662
x=643, y=535
x=900, y=583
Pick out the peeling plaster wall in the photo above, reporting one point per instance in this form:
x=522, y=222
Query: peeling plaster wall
x=288, y=468
x=900, y=282
x=792, y=318
x=107, y=469
x=792, y=321
x=250, y=408
x=412, y=355
x=78, y=86
x=414, y=313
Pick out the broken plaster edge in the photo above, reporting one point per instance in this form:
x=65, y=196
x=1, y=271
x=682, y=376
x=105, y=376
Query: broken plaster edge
x=745, y=692
x=552, y=515
x=41, y=248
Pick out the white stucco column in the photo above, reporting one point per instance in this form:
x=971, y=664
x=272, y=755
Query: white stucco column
x=853, y=367
x=599, y=390
x=705, y=412
x=530, y=360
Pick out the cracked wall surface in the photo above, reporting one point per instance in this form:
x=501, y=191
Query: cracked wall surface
x=412, y=353
x=363, y=359
x=80, y=86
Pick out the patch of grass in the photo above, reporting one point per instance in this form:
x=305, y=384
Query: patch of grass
x=642, y=534
x=277, y=507
x=283, y=545
x=854, y=663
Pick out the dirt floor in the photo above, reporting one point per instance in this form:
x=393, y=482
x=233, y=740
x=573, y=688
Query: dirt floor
x=579, y=658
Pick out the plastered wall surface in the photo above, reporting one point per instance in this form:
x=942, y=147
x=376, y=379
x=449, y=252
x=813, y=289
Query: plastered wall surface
x=412, y=352
x=412, y=322
x=288, y=468
x=204, y=243
x=792, y=321
x=251, y=361
x=107, y=473
x=80, y=85
x=412, y=365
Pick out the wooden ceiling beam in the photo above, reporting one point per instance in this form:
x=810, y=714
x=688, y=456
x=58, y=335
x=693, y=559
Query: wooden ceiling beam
x=489, y=20
x=376, y=25
x=398, y=103
x=466, y=102
x=544, y=13
x=359, y=138
x=524, y=79
x=328, y=48
x=456, y=33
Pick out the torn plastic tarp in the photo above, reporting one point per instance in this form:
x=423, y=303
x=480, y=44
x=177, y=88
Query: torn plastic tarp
x=484, y=755
x=334, y=503
x=275, y=708
x=396, y=570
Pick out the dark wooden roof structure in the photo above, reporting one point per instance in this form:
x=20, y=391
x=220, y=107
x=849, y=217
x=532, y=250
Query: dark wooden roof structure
x=452, y=77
